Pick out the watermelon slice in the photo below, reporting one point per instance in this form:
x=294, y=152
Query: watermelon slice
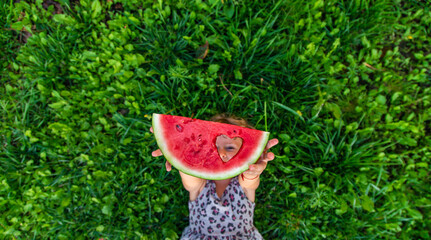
x=189, y=145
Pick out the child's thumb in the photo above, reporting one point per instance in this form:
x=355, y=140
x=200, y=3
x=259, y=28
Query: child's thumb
x=168, y=166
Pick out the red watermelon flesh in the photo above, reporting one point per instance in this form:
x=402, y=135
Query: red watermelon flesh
x=189, y=145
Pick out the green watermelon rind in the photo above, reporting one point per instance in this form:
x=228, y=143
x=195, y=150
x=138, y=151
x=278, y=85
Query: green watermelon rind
x=220, y=176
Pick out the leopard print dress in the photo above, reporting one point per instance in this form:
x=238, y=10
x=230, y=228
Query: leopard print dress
x=228, y=217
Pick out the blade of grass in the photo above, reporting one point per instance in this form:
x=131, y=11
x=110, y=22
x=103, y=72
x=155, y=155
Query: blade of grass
x=289, y=110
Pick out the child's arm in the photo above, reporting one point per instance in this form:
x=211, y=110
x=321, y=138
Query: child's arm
x=250, y=179
x=249, y=186
x=193, y=185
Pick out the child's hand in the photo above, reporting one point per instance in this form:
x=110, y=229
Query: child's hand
x=159, y=153
x=256, y=169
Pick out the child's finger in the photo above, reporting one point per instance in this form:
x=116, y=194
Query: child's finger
x=151, y=129
x=157, y=153
x=250, y=174
x=258, y=167
x=252, y=167
x=271, y=143
x=168, y=166
x=269, y=156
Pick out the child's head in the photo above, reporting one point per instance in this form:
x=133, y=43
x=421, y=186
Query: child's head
x=227, y=147
x=231, y=119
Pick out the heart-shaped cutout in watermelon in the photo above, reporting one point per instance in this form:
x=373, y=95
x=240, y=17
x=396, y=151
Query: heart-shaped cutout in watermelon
x=228, y=147
x=190, y=145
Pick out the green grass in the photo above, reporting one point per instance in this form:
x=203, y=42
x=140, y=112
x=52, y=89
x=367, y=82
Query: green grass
x=344, y=85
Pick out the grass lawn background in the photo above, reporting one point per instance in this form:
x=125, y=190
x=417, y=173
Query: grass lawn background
x=344, y=85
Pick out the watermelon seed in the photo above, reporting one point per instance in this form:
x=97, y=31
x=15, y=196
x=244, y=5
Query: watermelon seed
x=179, y=128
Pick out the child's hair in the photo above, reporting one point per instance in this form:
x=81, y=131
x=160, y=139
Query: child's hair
x=231, y=119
